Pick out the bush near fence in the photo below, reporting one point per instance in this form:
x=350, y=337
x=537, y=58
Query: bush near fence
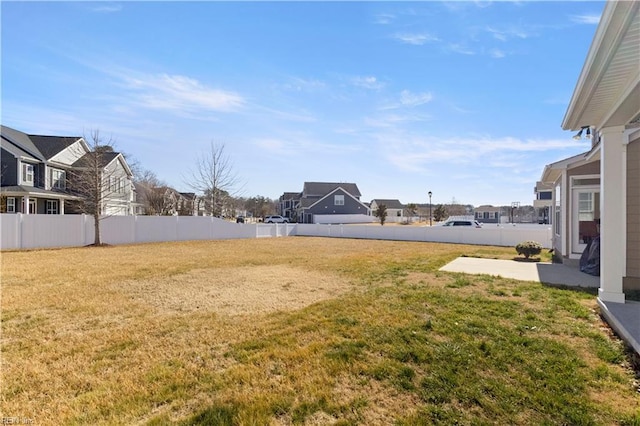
x=19, y=231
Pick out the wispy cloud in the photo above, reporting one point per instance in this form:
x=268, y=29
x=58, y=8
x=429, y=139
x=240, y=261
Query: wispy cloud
x=180, y=93
x=585, y=19
x=384, y=19
x=303, y=84
x=497, y=53
x=407, y=99
x=392, y=120
x=504, y=34
x=367, y=82
x=460, y=48
x=418, y=153
x=414, y=99
x=417, y=39
x=107, y=8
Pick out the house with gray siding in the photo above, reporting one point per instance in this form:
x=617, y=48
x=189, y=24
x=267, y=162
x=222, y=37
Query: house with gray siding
x=37, y=174
x=322, y=198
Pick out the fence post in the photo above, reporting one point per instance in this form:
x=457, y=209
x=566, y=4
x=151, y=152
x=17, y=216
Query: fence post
x=19, y=232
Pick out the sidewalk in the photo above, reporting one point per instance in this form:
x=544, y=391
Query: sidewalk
x=549, y=273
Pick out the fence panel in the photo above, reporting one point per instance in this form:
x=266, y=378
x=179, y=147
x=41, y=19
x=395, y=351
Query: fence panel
x=45, y=231
x=10, y=231
x=39, y=231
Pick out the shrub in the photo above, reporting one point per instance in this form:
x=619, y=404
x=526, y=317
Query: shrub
x=529, y=248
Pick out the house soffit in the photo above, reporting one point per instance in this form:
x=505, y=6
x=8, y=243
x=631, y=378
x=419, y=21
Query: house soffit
x=608, y=89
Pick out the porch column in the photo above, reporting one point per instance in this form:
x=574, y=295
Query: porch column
x=613, y=214
x=25, y=204
x=61, y=206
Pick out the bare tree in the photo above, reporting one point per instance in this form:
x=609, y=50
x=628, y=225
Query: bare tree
x=214, y=177
x=152, y=193
x=94, y=182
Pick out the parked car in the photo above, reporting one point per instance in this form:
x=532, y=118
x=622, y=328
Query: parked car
x=240, y=219
x=473, y=223
x=275, y=219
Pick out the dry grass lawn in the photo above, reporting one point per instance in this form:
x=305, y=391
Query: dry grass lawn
x=298, y=331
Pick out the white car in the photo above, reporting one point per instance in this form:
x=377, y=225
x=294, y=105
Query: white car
x=473, y=223
x=276, y=219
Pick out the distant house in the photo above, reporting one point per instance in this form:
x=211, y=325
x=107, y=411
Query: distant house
x=487, y=214
x=321, y=198
x=39, y=172
x=543, y=202
x=395, y=209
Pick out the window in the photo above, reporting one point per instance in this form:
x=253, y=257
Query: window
x=57, y=178
x=11, y=205
x=545, y=195
x=338, y=200
x=52, y=207
x=27, y=173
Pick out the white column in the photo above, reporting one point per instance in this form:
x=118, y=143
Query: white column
x=25, y=204
x=613, y=214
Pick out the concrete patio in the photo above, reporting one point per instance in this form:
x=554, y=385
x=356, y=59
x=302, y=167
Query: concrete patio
x=624, y=318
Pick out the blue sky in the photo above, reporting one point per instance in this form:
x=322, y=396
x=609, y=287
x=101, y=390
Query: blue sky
x=464, y=99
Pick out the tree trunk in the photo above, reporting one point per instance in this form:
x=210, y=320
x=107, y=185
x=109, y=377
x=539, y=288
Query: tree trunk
x=96, y=226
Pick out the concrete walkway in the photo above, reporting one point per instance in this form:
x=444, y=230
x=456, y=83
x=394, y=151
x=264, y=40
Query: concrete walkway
x=549, y=273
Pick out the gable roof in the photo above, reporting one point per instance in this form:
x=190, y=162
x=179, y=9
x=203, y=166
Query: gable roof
x=105, y=159
x=319, y=189
x=22, y=141
x=49, y=146
x=390, y=204
x=313, y=202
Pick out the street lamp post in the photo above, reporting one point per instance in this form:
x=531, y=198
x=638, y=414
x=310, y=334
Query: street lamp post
x=430, y=194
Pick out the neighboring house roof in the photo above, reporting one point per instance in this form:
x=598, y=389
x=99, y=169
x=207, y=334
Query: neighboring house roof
x=486, y=208
x=316, y=201
x=608, y=89
x=21, y=141
x=390, y=204
x=320, y=189
x=188, y=195
x=290, y=196
x=50, y=146
x=105, y=159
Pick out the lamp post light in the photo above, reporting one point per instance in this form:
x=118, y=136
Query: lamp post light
x=430, y=194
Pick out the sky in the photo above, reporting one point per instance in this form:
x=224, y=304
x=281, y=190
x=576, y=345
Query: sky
x=464, y=99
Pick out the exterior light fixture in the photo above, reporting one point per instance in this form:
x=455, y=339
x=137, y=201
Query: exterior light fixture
x=578, y=135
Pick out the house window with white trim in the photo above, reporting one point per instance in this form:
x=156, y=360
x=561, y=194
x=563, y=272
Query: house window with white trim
x=338, y=200
x=27, y=173
x=11, y=204
x=57, y=179
x=52, y=207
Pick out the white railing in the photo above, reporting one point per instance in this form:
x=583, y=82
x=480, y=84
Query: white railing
x=19, y=231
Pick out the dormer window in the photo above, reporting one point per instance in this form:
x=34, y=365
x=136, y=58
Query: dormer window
x=27, y=174
x=338, y=200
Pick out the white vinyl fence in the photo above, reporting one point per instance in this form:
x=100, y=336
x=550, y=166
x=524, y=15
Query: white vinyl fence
x=19, y=231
